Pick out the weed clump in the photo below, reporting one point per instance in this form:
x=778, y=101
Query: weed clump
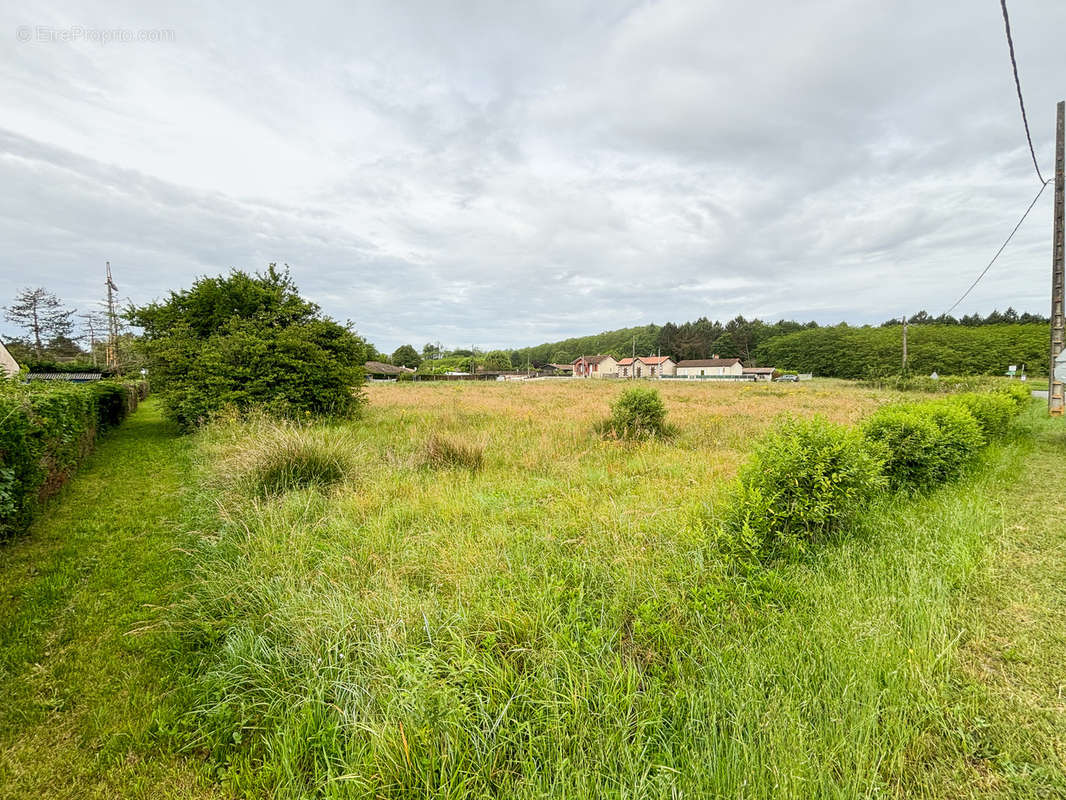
x=442, y=452
x=638, y=413
x=805, y=481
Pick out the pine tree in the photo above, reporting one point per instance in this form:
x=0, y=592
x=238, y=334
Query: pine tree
x=41, y=314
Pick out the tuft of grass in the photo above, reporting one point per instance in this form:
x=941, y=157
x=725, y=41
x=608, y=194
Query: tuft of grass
x=443, y=452
x=266, y=457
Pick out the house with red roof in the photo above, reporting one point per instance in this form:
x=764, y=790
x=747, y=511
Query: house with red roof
x=600, y=366
x=646, y=367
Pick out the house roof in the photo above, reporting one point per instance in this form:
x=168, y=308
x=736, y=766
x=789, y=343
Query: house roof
x=562, y=366
x=590, y=359
x=709, y=362
x=75, y=377
x=625, y=362
x=378, y=368
x=653, y=359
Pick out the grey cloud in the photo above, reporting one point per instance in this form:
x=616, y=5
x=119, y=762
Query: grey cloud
x=505, y=174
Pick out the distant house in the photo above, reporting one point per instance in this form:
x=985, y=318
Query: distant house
x=761, y=373
x=710, y=367
x=377, y=371
x=8, y=366
x=646, y=367
x=595, y=367
x=568, y=368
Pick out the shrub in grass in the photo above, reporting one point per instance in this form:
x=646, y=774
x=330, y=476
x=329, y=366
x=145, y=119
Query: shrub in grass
x=287, y=457
x=444, y=451
x=1019, y=394
x=910, y=440
x=925, y=444
x=638, y=413
x=993, y=411
x=960, y=437
x=806, y=480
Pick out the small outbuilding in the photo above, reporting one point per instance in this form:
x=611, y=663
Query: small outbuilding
x=760, y=373
x=8, y=366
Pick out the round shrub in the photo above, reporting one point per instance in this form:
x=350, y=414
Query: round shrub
x=993, y=411
x=911, y=445
x=805, y=480
x=638, y=413
x=960, y=437
x=1019, y=394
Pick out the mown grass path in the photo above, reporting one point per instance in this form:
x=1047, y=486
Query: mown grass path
x=1011, y=700
x=78, y=684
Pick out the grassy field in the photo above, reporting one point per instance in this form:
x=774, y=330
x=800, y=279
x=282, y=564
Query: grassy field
x=353, y=619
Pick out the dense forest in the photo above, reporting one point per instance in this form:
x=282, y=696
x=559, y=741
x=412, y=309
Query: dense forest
x=842, y=351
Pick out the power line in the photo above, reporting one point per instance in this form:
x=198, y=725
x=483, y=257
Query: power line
x=1018, y=85
x=1001, y=249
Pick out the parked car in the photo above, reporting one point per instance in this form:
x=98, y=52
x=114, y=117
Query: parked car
x=788, y=378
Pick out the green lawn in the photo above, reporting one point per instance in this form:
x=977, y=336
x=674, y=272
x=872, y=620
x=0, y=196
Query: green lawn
x=79, y=681
x=923, y=659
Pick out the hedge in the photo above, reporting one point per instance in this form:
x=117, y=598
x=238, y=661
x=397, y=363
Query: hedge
x=46, y=429
x=808, y=480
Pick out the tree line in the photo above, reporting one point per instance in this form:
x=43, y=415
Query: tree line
x=739, y=337
x=56, y=336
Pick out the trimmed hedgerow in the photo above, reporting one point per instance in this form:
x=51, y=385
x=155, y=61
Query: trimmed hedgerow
x=45, y=430
x=806, y=480
x=960, y=438
x=993, y=411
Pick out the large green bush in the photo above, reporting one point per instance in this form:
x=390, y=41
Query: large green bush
x=805, y=480
x=247, y=342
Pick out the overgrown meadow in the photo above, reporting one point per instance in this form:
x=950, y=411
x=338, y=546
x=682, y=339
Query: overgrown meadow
x=470, y=592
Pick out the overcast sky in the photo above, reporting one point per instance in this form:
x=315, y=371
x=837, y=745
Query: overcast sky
x=505, y=173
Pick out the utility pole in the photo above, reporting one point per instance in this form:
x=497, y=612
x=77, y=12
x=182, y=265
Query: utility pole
x=112, y=323
x=904, y=344
x=1058, y=271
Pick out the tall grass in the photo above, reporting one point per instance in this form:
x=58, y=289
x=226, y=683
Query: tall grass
x=556, y=624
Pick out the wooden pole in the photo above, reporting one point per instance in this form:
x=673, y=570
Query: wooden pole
x=1058, y=270
x=904, y=344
